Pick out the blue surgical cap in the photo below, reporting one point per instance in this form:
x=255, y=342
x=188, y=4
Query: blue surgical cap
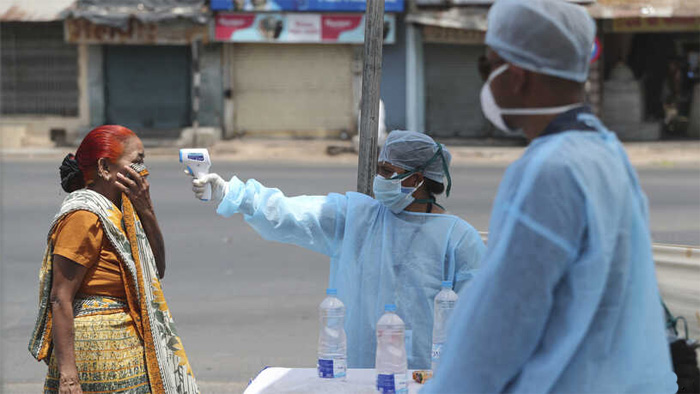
x=552, y=37
x=416, y=151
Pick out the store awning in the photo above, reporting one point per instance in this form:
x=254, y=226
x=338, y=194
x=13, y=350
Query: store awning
x=119, y=13
x=618, y=15
x=33, y=10
x=617, y=9
x=472, y=18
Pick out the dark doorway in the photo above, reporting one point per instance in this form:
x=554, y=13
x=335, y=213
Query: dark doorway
x=147, y=88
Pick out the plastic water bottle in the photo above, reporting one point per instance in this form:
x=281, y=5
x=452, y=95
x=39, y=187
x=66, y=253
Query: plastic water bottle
x=391, y=363
x=332, y=343
x=444, y=305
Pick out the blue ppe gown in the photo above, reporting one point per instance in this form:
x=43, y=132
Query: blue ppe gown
x=377, y=257
x=567, y=299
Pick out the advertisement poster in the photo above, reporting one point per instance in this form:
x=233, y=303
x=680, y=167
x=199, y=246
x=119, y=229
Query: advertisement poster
x=298, y=28
x=301, y=5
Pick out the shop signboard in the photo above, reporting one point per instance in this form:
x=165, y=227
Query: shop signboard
x=442, y=35
x=83, y=31
x=658, y=25
x=297, y=28
x=301, y=5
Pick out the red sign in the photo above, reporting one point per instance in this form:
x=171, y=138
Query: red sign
x=226, y=25
x=334, y=25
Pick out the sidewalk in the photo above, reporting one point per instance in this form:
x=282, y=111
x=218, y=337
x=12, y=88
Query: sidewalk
x=684, y=154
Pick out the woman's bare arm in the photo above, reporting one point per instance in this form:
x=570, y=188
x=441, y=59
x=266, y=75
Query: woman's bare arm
x=67, y=277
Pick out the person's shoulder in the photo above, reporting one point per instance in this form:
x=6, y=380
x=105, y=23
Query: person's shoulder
x=588, y=153
x=77, y=224
x=360, y=198
x=362, y=204
x=81, y=217
x=573, y=146
x=571, y=165
x=557, y=156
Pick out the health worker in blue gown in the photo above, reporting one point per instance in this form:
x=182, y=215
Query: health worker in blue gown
x=396, y=248
x=567, y=299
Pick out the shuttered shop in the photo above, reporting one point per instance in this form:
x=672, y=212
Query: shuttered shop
x=452, y=86
x=292, y=88
x=39, y=70
x=147, y=88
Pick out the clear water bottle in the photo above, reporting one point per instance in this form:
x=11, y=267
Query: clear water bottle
x=332, y=343
x=445, y=302
x=391, y=363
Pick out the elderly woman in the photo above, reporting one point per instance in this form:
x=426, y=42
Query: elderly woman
x=395, y=249
x=103, y=323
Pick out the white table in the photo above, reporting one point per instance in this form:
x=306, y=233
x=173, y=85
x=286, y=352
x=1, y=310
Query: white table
x=306, y=380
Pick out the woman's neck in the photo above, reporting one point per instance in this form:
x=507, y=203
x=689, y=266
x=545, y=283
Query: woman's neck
x=115, y=196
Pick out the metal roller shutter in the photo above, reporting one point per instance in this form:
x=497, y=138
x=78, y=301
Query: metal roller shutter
x=148, y=88
x=453, y=85
x=39, y=70
x=279, y=88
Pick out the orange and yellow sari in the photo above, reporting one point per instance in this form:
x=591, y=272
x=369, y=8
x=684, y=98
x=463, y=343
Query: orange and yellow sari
x=121, y=345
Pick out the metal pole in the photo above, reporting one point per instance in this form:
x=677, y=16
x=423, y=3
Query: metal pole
x=196, y=48
x=369, y=104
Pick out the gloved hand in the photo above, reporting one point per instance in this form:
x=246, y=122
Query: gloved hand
x=219, y=186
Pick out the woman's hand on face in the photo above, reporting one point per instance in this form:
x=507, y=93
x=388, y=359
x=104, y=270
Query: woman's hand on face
x=136, y=188
x=69, y=386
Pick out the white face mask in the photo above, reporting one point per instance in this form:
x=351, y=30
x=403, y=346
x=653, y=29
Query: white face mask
x=390, y=193
x=494, y=113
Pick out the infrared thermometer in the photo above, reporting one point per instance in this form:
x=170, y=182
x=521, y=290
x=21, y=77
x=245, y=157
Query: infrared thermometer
x=198, y=163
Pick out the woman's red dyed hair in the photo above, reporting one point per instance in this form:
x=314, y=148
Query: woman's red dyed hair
x=104, y=141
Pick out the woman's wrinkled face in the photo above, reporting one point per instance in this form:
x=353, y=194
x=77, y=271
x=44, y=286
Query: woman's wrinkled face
x=133, y=153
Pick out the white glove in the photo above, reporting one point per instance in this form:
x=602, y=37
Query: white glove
x=219, y=186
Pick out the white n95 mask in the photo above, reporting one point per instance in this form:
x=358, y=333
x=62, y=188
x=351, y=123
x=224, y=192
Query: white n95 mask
x=390, y=193
x=494, y=113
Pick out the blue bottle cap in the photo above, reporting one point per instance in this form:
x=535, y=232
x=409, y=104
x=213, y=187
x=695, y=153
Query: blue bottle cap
x=389, y=308
x=331, y=292
x=447, y=284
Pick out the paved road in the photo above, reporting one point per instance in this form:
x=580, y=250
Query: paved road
x=242, y=303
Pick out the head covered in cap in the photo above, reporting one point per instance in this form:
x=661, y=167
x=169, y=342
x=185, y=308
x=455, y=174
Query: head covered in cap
x=551, y=37
x=417, y=152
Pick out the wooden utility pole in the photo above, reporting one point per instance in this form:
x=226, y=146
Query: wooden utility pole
x=369, y=104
